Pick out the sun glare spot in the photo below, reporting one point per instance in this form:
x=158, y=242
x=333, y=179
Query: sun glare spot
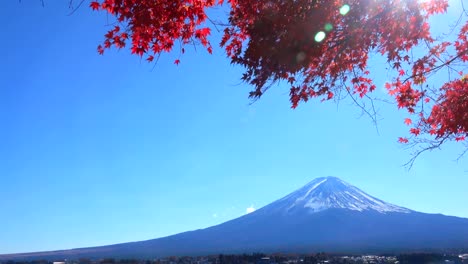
x=320, y=36
x=344, y=9
x=328, y=27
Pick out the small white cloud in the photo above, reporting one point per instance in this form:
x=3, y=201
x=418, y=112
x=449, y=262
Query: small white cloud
x=215, y=215
x=249, y=209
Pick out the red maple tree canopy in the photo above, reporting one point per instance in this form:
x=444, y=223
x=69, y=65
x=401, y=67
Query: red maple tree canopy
x=320, y=47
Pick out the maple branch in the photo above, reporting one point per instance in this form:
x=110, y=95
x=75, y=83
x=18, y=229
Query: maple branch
x=462, y=154
x=436, y=68
x=217, y=23
x=70, y=5
x=463, y=8
x=433, y=146
x=372, y=115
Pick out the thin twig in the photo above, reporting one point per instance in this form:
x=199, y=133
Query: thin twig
x=74, y=9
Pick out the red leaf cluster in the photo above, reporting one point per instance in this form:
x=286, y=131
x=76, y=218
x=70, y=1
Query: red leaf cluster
x=450, y=115
x=318, y=47
x=153, y=27
x=275, y=40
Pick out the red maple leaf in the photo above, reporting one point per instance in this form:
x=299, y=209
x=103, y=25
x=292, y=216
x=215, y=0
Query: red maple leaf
x=100, y=50
x=415, y=131
x=94, y=5
x=402, y=140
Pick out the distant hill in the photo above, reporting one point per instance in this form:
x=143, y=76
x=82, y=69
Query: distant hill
x=326, y=214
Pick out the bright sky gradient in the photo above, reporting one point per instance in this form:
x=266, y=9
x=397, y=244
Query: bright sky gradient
x=98, y=150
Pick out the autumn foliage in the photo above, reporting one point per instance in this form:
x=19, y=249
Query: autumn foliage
x=321, y=48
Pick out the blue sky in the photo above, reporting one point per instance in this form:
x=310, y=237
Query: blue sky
x=106, y=149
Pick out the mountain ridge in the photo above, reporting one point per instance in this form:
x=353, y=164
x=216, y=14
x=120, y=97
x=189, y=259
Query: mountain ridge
x=326, y=214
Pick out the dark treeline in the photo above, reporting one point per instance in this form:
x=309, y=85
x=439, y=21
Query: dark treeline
x=422, y=258
x=259, y=258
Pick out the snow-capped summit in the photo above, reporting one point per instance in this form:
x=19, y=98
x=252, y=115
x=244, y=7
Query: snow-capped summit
x=331, y=192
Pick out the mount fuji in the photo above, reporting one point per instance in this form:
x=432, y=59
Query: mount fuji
x=326, y=214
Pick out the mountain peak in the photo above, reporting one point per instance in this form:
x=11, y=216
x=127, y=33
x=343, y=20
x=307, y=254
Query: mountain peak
x=331, y=192
x=330, y=181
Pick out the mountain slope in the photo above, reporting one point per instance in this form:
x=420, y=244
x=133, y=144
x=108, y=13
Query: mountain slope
x=327, y=214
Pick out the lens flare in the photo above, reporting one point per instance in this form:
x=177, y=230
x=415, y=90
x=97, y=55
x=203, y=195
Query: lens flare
x=320, y=36
x=344, y=10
